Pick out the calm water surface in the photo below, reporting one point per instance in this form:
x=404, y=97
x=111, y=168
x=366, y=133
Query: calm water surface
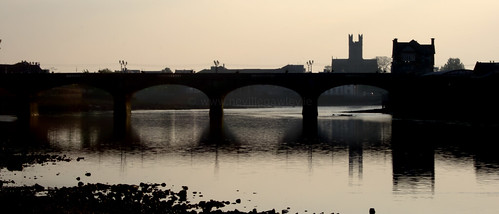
x=269, y=159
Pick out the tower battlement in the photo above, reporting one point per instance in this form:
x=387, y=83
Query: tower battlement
x=355, y=47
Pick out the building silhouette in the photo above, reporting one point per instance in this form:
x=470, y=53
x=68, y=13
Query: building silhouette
x=484, y=68
x=355, y=62
x=412, y=57
x=285, y=69
x=22, y=67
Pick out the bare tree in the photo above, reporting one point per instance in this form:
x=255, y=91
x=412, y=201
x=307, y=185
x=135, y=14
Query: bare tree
x=328, y=69
x=384, y=64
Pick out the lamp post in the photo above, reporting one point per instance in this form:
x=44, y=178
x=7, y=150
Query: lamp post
x=123, y=65
x=309, y=65
x=217, y=63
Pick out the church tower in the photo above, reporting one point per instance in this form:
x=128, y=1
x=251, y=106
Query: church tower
x=355, y=62
x=355, y=48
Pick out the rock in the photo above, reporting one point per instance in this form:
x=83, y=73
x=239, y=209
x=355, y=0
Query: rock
x=182, y=195
x=39, y=187
x=88, y=174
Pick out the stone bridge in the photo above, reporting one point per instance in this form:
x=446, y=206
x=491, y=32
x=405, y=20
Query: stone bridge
x=406, y=93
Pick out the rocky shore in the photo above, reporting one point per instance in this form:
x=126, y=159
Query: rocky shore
x=98, y=197
x=104, y=198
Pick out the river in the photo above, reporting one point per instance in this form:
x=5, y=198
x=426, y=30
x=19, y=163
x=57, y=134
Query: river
x=266, y=157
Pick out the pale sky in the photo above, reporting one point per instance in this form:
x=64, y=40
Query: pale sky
x=72, y=35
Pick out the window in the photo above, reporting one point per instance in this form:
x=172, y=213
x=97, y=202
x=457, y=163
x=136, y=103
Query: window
x=408, y=57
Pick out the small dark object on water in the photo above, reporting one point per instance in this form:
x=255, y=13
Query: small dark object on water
x=77, y=178
x=88, y=174
x=79, y=158
x=372, y=211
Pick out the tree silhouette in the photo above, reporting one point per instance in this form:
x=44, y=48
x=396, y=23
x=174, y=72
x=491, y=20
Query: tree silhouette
x=384, y=64
x=167, y=70
x=105, y=70
x=452, y=64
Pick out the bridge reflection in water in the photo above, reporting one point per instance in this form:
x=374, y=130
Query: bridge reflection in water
x=406, y=154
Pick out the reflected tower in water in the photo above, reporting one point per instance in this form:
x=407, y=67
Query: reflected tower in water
x=355, y=164
x=354, y=134
x=413, y=158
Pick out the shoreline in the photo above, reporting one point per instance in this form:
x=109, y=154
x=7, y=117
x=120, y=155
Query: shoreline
x=105, y=198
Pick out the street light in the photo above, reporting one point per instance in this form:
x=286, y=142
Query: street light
x=217, y=63
x=123, y=65
x=309, y=65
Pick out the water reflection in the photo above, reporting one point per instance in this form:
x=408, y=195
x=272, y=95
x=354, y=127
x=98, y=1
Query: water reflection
x=340, y=156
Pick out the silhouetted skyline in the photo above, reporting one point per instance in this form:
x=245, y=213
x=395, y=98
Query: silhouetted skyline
x=188, y=34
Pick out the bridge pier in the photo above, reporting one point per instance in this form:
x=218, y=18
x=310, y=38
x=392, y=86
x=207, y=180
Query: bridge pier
x=310, y=113
x=122, y=108
x=27, y=106
x=310, y=108
x=216, y=109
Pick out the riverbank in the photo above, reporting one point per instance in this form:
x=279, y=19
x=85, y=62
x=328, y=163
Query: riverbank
x=104, y=198
x=98, y=197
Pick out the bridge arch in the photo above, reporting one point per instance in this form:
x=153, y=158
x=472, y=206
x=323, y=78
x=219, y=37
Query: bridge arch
x=169, y=96
x=262, y=95
x=353, y=94
x=73, y=97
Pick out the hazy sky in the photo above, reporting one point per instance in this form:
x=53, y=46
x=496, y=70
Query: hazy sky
x=190, y=34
